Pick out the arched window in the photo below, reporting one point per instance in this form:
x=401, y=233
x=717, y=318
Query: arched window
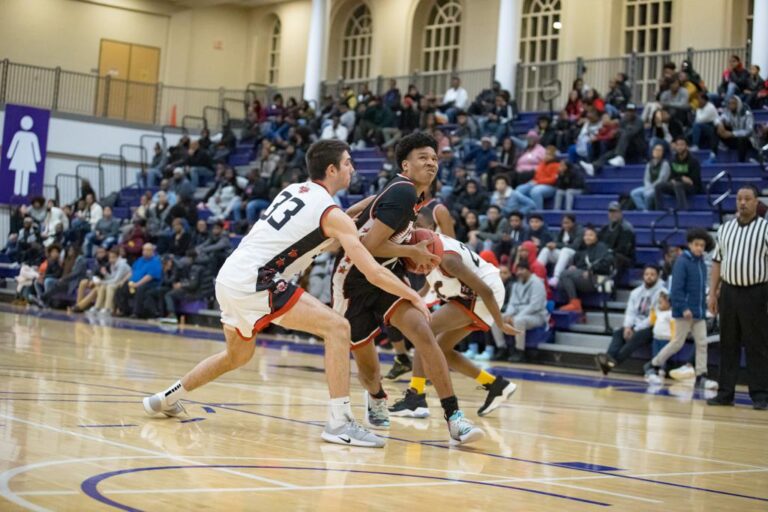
x=442, y=36
x=356, y=45
x=647, y=26
x=540, y=31
x=273, y=72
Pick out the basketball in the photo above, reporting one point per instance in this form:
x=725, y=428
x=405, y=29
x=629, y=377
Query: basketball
x=435, y=246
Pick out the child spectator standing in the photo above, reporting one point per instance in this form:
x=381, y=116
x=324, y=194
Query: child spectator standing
x=663, y=324
x=689, y=309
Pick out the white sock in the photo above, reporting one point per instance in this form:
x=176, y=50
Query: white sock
x=340, y=411
x=174, y=393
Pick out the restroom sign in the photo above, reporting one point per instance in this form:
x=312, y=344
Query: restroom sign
x=22, y=167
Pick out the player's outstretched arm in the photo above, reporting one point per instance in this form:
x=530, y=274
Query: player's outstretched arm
x=454, y=266
x=358, y=208
x=339, y=226
x=377, y=242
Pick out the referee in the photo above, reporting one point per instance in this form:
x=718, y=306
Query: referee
x=740, y=280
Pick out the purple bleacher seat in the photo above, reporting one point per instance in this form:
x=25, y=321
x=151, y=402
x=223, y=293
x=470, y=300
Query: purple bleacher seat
x=204, y=214
x=235, y=240
x=564, y=319
x=537, y=336
x=121, y=212
x=239, y=159
x=637, y=219
x=191, y=306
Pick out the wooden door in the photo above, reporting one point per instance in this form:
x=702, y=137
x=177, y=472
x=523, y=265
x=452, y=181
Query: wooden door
x=142, y=87
x=131, y=91
x=114, y=62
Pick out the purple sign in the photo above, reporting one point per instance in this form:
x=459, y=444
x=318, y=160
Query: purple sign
x=22, y=166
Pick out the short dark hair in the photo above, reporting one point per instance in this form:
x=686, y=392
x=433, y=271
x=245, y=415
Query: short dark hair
x=323, y=153
x=517, y=213
x=590, y=227
x=501, y=177
x=670, y=65
x=651, y=265
x=523, y=264
x=495, y=207
x=570, y=217
x=680, y=138
x=700, y=234
x=536, y=216
x=413, y=141
x=750, y=186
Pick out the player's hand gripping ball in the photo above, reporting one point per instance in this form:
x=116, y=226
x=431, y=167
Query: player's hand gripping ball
x=431, y=244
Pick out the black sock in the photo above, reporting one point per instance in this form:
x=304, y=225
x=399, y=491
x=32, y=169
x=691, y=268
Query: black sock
x=450, y=405
x=403, y=358
x=380, y=394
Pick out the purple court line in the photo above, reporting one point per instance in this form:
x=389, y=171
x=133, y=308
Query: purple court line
x=647, y=480
x=90, y=485
x=108, y=426
x=192, y=420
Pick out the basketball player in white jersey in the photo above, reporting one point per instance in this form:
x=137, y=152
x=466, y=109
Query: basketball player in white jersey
x=385, y=225
x=253, y=289
x=473, y=294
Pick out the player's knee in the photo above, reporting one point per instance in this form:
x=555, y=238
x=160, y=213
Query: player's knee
x=239, y=357
x=336, y=328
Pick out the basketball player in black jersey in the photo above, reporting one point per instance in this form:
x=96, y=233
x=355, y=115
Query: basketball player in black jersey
x=384, y=226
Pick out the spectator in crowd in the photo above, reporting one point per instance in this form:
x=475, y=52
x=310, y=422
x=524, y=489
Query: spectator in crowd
x=547, y=135
x=54, y=218
x=497, y=120
x=656, y=171
x=222, y=198
x=490, y=231
x=515, y=234
x=197, y=284
x=134, y=239
x=582, y=149
x=481, y=156
x=200, y=165
x=593, y=260
x=88, y=286
x=526, y=308
x=158, y=217
x=454, y=99
x=618, y=95
x=561, y=251
x=619, y=237
x=704, y=125
x=637, y=328
x=757, y=90
x=529, y=158
x=689, y=309
x=574, y=108
x=216, y=248
x=446, y=170
x=173, y=273
x=468, y=223
x=73, y=269
x=49, y=274
x=335, y=130
x=685, y=177
x=180, y=240
x=105, y=232
x=179, y=187
x=112, y=277
x=542, y=186
x=472, y=198
x=146, y=274
x=663, y=327
x=391, y=98
x=676, y=101
x=630, y=145
x=528, y=252
x=735, y=127
x=152, y=175
x=735, y=79
x=570, y=183
x=509, y=199
x=538, y=231
x=166, y=190
x=255, y=197
x=37, y=211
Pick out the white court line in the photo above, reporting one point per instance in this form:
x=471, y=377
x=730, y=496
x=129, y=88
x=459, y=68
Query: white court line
x=619, y=447
x=6, y=492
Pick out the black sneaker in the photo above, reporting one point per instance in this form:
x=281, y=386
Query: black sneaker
x=516, y=356
x=498, y=391
x=412, y=405
x=720, y=400
x=605, y=363
x=402, y=366
x=501, y=354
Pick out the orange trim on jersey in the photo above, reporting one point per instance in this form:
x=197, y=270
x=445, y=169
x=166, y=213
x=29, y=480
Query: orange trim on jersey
x=322, y=218
x=357, y=344
x=264, y=321
x=253, y=335
x=391, y=310
x=477, y=323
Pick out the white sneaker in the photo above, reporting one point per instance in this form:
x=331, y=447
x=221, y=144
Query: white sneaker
x=155, y=405
x=684, y=372
x=105, y=312
x=376, y=412
x=352, y=434
x=588, y=168
x=617, y=161
x=169, y=320
x=462, y=430
x=705, y=383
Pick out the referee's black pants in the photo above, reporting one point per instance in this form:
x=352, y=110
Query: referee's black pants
x=744, y=320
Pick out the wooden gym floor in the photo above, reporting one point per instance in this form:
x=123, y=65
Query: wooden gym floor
x=73, y=435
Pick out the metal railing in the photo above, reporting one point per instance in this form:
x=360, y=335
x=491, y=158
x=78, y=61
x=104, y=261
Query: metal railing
x=717, y=202
x=643, y=71
x=67, y=188
x=657, y=223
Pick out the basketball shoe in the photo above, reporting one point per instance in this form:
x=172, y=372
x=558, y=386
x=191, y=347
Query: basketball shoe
x=401, y=366
x=376, y=412
x=412, y=405
x=156, y=405
x=462, y=430
x=498, y=392
x=352, y=434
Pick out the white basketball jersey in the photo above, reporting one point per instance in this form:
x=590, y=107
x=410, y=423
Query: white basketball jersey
x=284, y=240
x=446, y=286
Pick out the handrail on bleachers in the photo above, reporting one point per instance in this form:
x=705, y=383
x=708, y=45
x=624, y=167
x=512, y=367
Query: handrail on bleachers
x=152, y=136
x=61, y=177
x=657, y=222
x=107, y=157
x=195, y=118
x=100, y=184
x=167, y=127
x=554, y=85
x=717, y=202
x=142, y=151
x=224, y=115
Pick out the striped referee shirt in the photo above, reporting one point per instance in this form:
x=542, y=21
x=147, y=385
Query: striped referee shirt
x=742, y=251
